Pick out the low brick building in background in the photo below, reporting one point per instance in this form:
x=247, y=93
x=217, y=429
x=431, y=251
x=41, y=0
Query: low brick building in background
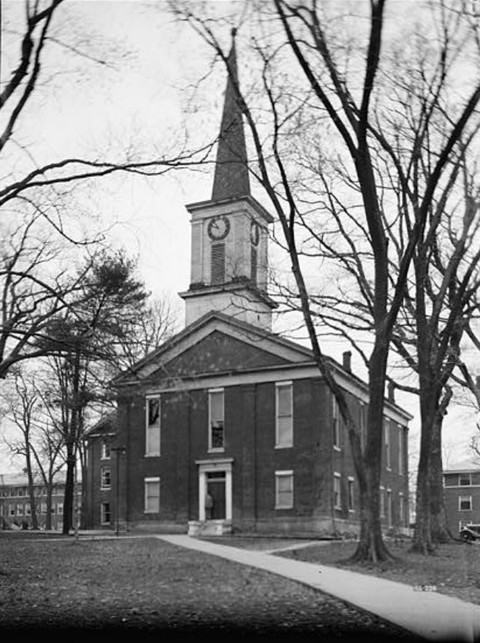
x=462, y=495
x=229, y=426
x=15, y=505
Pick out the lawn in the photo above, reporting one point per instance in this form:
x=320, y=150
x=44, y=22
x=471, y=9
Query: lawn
x=454, y=569
x=147, y=585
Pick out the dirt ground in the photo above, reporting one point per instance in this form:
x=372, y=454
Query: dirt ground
x=60, y=586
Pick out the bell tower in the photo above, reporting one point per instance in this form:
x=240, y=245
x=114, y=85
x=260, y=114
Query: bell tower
x=229, y=232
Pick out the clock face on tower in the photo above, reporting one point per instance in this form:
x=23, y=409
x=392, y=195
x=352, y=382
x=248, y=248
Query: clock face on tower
x=218, y=228
x=255, y=233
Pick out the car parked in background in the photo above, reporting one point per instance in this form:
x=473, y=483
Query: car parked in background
x=470, y=532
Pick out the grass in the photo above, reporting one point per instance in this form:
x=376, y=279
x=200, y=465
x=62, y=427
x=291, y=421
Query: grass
x=454, y=569
x=146, y=585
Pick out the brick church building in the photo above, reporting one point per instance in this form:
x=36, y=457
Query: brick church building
x=229, y=427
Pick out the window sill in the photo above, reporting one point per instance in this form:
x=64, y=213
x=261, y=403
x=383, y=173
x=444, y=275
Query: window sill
x=222, y=450
x=335, y=448
x=152, y=455
x=283, y=446
x=106, y=488
x=283, y=508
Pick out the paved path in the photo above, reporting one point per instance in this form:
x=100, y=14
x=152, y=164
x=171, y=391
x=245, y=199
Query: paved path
x=434, y=616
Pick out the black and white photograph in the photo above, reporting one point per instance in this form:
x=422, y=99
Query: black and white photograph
x=240, y=320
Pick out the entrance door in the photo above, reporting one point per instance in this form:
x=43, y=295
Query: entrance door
x=216, y=488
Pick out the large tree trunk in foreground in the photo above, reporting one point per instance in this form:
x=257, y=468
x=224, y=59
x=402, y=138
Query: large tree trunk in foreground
x=438, y=519
x=422, y=540
x=371, y=546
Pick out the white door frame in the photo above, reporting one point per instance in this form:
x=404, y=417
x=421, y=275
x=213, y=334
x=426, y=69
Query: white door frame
x=207, y=466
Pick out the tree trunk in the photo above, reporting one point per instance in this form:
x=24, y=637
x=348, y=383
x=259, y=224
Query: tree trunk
x=31, y=493
x=48, y=524
x=422, y=540
x=371, y=546
x=440, y=532
x=69, y=490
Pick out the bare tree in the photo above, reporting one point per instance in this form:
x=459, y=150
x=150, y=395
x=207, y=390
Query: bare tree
x=40, y=443
x=338, y=97
x=37, y=189
x=35, y=285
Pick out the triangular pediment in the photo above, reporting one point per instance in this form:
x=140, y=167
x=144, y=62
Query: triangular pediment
x=219, y=352
x=216, y=344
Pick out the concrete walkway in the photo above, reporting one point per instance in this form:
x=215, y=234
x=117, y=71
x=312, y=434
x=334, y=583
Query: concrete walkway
x=428, y=614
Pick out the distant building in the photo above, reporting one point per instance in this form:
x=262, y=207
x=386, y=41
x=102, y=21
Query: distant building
x=229, y=426
x=15, y=507
x=462, y=495
x=102, y=457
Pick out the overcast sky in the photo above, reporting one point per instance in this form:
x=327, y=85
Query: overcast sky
x=143, y=99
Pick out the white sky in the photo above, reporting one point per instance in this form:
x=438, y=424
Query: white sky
x=142, y=100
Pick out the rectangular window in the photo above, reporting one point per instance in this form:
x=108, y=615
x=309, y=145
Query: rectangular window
x=152, y=495
x=105, y=513
x=336, y=425
x=59, y=508
x=106, y=478
x=152, y=437
x=284, y=414
x=401, y=466
x=465, y=503
x=465, y=480
x=105, y=450
x=351, y=494
x=382, y=502
x=218, y=263
x=386, y=442
x=216, y=410
x=337, y=494
x=362, y=421
x=283, y=489
x=401, y=509
x=389, y=507
x=450, y=480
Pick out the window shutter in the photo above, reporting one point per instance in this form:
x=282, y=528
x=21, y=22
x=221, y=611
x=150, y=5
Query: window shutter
x=218, y=263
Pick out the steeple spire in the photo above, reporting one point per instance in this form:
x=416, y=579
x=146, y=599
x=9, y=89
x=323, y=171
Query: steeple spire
x=231, y=178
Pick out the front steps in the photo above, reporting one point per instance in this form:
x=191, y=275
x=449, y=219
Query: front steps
x=209, y=527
